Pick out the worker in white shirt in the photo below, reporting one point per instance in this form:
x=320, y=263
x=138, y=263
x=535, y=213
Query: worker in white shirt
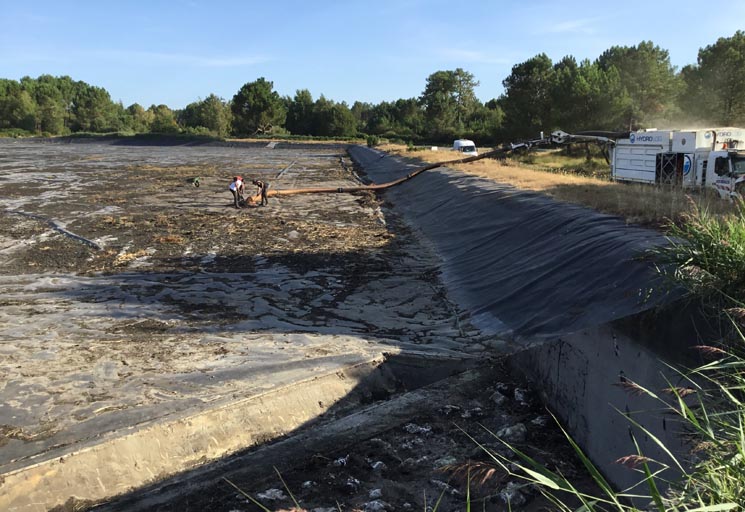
x=236, y=187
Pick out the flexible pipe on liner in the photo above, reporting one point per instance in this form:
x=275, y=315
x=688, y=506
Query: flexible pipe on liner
x=373, y=186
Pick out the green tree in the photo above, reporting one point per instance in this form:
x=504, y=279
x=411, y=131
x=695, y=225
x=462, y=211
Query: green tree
x=333, y=119
x=527, y=101
x=189, y=117
x=50, y=113
x=448, y=101
x=438, y=104
x=715, y=85
x=257, y=108
x=362, y=112
x=299, y=119
x=62, y=105
x=648, y=77
x=464, y=96
x=408, y=118
x=216, y=115
x=120, y=119
x=94, y=111
x=69, y=89
x=211, y=114
x=568, y=91
x=164, y=120
x=380, y=119
x=17, y=108
x=486, y=122
x=138, y=119
x=585, y=97
x=403, y=118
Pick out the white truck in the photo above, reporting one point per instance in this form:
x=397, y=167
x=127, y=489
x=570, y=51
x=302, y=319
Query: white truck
x=689, y=158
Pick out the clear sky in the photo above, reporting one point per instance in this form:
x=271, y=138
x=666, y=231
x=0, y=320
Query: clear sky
x=176, y=52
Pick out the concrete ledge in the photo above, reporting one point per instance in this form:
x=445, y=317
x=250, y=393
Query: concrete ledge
x=581, y=377
x=139, y=456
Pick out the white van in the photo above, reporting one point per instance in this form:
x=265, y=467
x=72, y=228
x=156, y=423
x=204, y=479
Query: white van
x=465, y=146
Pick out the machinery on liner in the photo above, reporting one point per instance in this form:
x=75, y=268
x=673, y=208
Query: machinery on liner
x=713, y=158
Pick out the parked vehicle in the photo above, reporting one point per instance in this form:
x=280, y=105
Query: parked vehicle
x=689, y=158
x=713, y=157
x=465, y=146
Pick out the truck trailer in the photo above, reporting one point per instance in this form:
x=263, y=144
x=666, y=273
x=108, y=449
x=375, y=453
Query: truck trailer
x=713, y=157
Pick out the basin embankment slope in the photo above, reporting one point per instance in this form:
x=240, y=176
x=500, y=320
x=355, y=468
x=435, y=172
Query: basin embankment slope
x=525, y=266
x=575, y=290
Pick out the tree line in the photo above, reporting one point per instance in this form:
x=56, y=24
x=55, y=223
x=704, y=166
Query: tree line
x=626, y=87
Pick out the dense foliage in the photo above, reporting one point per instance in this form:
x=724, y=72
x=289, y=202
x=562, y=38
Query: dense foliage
x=257, y=108
x=627, y=87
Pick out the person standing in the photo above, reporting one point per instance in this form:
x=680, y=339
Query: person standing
x=263, y=187
x=236, y=187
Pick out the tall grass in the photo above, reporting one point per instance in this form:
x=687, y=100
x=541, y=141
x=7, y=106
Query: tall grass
x=563, y=162
x=706, y=254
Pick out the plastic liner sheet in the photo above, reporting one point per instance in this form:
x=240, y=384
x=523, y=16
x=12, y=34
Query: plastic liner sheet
x=524, y=265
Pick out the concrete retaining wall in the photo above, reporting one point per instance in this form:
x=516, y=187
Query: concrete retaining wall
x=581, y=377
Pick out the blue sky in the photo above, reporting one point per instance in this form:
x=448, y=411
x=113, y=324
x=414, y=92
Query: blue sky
x=176, y=52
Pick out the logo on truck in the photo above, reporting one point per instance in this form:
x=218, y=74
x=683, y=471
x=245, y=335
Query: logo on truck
x=643, y=137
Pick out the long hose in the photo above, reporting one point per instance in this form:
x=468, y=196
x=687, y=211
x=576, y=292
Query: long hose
x=374, y=186
x=55, y=226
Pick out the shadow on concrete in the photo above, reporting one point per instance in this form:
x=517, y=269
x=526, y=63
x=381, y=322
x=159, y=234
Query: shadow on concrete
x=286, y=293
